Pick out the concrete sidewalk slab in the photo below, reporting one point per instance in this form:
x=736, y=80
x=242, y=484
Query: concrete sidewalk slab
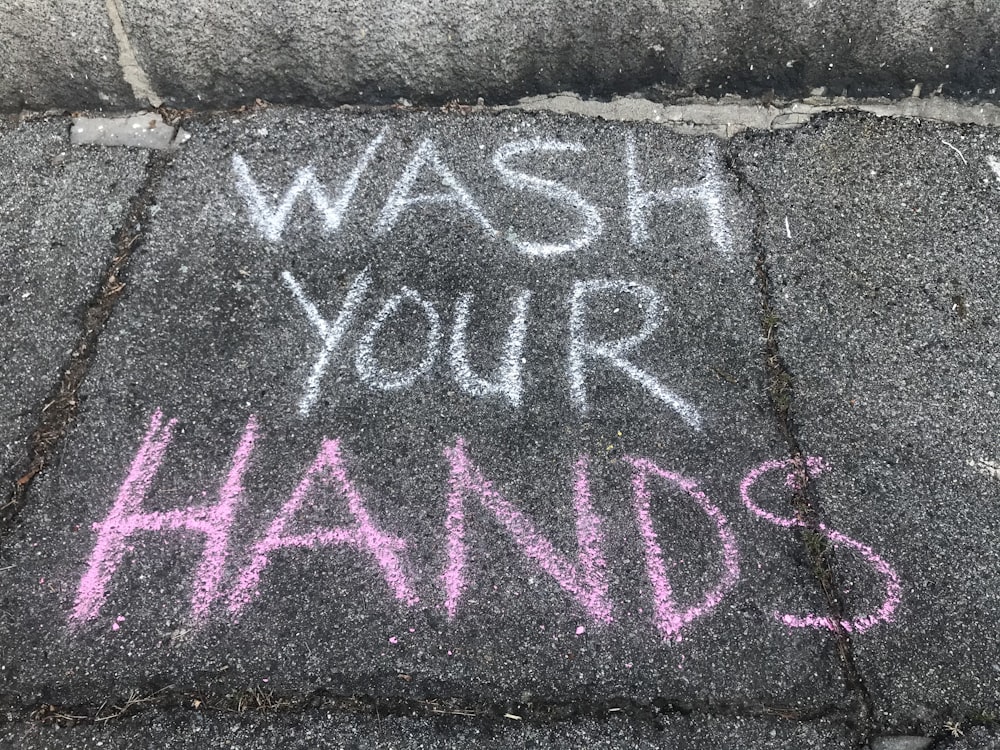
x=59, y=211
x=885, y=283
x=318, y=730
x=423, y=406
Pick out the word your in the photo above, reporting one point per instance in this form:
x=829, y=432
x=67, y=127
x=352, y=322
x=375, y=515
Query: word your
x=582, y=577
x=270, y=214
x=506, y=384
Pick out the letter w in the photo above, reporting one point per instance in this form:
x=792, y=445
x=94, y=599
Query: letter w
x=271, y=219
x=127, y=518
x=583, y=579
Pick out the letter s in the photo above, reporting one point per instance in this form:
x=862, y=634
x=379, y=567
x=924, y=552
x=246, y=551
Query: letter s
x=814, y=467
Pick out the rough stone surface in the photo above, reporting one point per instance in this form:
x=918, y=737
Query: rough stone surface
x=318, y=730
x=901, y=742
x=59, y=210
x=216, y=53
x=881, y=237
x=976, y=738
x=59, y=54
x=211, y=332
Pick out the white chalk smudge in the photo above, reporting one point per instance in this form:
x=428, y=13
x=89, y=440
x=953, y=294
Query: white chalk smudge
x=592, y=223
x=271, y=219
x=331, y=334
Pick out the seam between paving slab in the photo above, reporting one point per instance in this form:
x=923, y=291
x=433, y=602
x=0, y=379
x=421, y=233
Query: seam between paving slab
x=60, y=406
x=132, y=71
x=781, y=392
x=693, y=115
x=731, y=115
x=258, y=701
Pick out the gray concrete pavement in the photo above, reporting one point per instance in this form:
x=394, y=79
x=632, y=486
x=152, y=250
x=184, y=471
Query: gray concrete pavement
x=59, y=210
x=213, y=53
x=60, y=55
x=490, y=408
x=498, y=357
x=886, y=288
x=186, y=729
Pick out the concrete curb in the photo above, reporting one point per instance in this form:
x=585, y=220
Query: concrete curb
x=125, y=54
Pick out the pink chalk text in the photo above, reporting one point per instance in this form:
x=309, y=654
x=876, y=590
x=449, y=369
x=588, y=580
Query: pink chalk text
x=797, y=473
x=127, y=519
x=364, y=537
x=669, y=618
x=583, y=580
x=470, y=497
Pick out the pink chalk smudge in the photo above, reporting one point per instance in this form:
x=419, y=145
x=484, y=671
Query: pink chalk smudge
x=580, y=630
x=210, y=571
x=366, y=537
x=127, y=518
x=669, y=618
x=795, y=478
x=583, y=579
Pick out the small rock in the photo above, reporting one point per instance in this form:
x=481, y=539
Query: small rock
x=901, y=742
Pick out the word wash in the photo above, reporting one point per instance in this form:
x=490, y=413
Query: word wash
x=512, y=162
x=581, y=575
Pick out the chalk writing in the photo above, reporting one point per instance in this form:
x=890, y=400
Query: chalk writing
x=270, y=216
x=400, y=198
x=583, y=349
x=508, y=381
x=669, y=618
x=370, y=372
x=592, y=224
x=271, y=220
x=583, y=577
x=708, y=193
x=127, y=518
x=365, y=537
x=364, y=337
x=795, y=477
x=585, y=352
x=331, y=334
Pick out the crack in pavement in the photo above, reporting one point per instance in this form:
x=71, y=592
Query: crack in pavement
x=781, y=392
x=60, y=406
x=262, y=701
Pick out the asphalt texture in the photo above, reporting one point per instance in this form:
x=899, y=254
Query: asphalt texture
x=178, y=730
x=526, y=415
x=56, y=51
x=886, y=291
x=60, y=209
